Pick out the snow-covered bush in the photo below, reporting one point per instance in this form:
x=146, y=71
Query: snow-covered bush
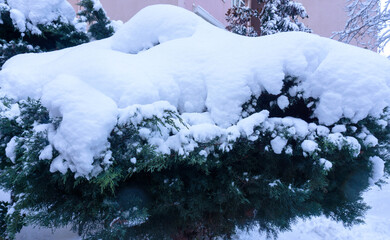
x=153, y=134
x=100, y=25
x=46, y=25
x=273, y=17
x=36, y=26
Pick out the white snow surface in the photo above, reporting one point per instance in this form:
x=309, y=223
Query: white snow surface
x=309, y=146
x=278, y=144
x=78, y=139
x=10, y=149
x=327, y=165
x=283, y=102
x=339, y=129
x=97, y=5
x=167, y=56
x=371, y=140
x=39, y=12
x=378, y=166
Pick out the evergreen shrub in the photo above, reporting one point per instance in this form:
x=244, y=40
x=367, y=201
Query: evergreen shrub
x=285, y=167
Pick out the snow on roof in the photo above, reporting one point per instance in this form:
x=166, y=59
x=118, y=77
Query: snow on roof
x=166, y=53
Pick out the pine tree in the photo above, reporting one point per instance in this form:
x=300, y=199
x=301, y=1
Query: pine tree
x=29, y=37
x=93, y=13
x=19, y=34
x=274, y=16
x=268, y=177
x=239, y=19
x=239, y=184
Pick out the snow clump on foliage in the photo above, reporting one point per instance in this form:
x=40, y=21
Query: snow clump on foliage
x=188, y=72
x=27, y=14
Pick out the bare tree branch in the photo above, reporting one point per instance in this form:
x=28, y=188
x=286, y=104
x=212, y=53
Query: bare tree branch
x=367, y=24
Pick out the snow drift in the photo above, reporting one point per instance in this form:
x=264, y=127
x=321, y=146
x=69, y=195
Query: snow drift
x=168, y=58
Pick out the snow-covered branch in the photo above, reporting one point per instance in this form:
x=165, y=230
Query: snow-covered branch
x=367, y=23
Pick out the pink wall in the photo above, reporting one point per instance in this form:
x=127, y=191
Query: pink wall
x=124, y=10
x=325, y=16
x=217, y=8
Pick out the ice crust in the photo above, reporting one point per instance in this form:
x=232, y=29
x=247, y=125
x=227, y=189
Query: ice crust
x=166, y=57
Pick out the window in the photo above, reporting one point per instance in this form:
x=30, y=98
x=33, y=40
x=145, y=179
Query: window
x=238, y=3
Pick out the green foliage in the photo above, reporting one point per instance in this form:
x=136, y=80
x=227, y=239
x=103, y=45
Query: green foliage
x=273, y=16
x=99, y=24
x=3, y=214
x=144, y=194
x=52, y=36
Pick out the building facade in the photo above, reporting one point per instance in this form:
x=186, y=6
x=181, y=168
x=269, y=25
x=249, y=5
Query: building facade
x=325, y=17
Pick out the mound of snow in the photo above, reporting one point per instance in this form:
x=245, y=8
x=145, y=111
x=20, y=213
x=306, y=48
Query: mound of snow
x=137, y=30
x=167, y=54
x=376, y=224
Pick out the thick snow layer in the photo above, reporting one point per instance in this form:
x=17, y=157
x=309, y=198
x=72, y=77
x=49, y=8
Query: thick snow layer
x=339, y=140
x=309, y=146
x=168, y=54
x=5, y=196
x=320, y=228
x=283, y=102
x=39, y=12
x=339, y=129
x=78, y=139
x=10, y=149
x=164, y=29
x=371, y=140
x=327, y=165
x=322, y=131
x=378, y=166
x=278, y=144
x=97, y=5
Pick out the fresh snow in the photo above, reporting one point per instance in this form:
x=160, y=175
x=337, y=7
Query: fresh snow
x=10, y=149
x=13, y=112
x=309, y=146
x=167, y=58
x=327, y=165
x=339, y=140
x=371, y=141
x=378, y=166
x=320, y=228
x=339, y=129
x=47, y=153
x=27, y=14
x=278, y=144
x=283, y=102
x=65, y=96
x=97, y=5
x=322, y=131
